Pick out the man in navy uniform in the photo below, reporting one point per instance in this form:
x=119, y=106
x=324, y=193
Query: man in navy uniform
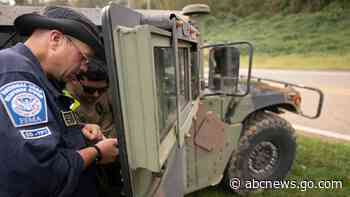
x=42, y=146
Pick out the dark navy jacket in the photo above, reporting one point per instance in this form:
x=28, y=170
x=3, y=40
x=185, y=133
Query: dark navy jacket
x=38, y=153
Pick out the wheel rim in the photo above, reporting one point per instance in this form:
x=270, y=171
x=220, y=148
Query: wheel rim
x=263, y=159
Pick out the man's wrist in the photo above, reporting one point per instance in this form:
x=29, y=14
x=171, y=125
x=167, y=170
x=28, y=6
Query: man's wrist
x=99, y=153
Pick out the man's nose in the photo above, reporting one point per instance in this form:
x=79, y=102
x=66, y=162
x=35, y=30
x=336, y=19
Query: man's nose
x=96, y=94
x=83, y=67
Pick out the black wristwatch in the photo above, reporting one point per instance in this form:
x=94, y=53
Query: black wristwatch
x=99, y=154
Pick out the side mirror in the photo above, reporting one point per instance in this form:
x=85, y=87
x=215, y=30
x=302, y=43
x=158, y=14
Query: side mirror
x=224, y=65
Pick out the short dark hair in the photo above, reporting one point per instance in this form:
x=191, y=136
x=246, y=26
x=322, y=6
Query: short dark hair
x=97, y=71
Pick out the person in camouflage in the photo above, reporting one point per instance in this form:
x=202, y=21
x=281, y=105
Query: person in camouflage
x=91, y=91
x=93, y=103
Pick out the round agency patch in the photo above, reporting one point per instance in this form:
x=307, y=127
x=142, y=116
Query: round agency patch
x=26, y=104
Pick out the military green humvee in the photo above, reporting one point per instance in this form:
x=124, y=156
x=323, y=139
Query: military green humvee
x=178, y=131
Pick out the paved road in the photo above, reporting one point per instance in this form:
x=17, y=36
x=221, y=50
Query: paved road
x=336, y=87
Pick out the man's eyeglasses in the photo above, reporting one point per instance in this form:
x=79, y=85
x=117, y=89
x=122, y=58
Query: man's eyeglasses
x=85, y=58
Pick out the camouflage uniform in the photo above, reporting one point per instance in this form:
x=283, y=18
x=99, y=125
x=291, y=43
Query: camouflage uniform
x=100, y=113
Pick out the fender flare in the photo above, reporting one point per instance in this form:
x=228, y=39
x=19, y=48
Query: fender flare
x=274, y=108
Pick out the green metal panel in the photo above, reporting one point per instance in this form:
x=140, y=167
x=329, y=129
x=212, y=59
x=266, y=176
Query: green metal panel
x=142, y=180
x=259, y=98
x=244, y=106
x=185, y=127
x=137, y=89
x=138, y=92
x=256, y=101
x=214, y=104
x=207, y=168
x=139, y=96
x=167, y=145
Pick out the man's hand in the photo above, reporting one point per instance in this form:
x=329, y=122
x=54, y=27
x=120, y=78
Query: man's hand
x=109, y=150
x=93, y=132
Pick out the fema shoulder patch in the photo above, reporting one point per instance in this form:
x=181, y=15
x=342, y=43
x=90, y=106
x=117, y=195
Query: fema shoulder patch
x=25, y=103
x=35, y=133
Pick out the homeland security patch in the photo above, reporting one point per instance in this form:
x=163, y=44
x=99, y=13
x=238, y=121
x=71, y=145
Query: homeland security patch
x=25, y=103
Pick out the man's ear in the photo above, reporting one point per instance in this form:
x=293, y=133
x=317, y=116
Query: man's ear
x=56, y=39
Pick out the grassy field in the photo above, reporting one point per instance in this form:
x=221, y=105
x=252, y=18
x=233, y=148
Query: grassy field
x=300, y=41
x=301, y=62
x=316, y=160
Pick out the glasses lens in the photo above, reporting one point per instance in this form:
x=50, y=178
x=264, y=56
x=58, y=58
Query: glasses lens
x=84, y=58
x=91, y=90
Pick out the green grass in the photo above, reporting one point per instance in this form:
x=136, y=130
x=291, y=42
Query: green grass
x=310, y=38
x=301, y=62
x=316, y=160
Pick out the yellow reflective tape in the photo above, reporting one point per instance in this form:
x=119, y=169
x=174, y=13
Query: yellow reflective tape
x=74, y=106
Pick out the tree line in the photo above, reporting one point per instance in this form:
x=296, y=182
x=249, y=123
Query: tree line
x=218, y=7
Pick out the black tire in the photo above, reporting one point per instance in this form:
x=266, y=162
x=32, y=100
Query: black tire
x=266, y=151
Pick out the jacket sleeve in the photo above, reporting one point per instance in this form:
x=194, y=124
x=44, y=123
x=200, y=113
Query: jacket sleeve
x=33, y=160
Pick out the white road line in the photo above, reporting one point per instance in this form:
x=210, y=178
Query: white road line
x=330, y=134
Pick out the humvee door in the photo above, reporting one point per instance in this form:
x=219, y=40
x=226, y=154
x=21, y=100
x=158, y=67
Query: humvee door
x=154, y=98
